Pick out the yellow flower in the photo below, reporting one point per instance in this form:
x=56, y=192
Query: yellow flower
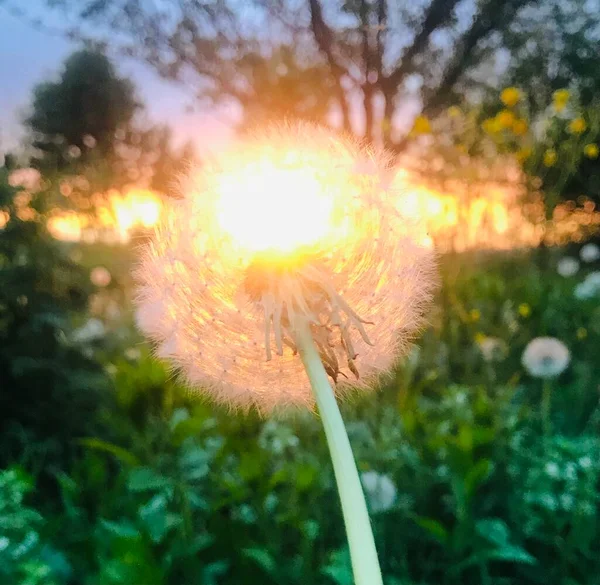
x=505, y=118
x=550, y=157
x=577, y=126
x=421, y=125
x=560, y=99
x=591, y=150
x=520, y=126
x=524, y=310
x=581, y=333
x=480, y=337
x=523, y=154
x=491, y=126
x=454, y=112
x=510, y=96
x=475, y=314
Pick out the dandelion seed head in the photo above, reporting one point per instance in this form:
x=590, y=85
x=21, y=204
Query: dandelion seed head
x=291, y=220
x=380, y=491
x=567, y=267
x=546, y=357
x=589, y=253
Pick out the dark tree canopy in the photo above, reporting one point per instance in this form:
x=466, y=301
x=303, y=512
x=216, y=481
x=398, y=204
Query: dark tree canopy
x=88, y=103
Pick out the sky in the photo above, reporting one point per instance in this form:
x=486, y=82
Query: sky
x=29, y=56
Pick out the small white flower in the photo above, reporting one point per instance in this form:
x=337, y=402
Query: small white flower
x=567, y=267
x=132, y=353
x=552, y=469
x=93, y=329
x=493, y=349
x=100, y=276
x=546, y=357
x=380, y=491
x=585, y=462
x=589, y=288
x=589, y=253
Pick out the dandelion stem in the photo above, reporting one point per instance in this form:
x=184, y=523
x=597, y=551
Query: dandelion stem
x=365, y=564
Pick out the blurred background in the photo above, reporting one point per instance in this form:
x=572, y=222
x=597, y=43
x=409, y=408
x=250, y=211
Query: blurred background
x=480, y=457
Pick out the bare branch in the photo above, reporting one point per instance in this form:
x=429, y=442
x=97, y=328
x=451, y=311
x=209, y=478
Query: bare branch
x=324, y=38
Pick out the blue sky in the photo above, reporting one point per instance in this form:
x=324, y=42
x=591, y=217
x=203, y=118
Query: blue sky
x=29, y=56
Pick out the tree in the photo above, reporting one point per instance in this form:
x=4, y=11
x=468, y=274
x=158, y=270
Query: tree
x=356, y=61
x=89, y=124
x=83, y=109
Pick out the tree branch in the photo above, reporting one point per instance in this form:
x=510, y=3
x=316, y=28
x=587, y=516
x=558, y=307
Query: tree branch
x=438, y=13
x=324, y=38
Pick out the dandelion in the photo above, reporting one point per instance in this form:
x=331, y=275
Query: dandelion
x=475, y=315
x=589, y=253
x=491, y=126
x=567, y=267
x=545, y=357
x=523, y=154
x=520, y=127
x=421, y=125
x=560, y=99
x=591, y=150
x=290, y=243
x=492, y=349
x=510, y=96
x=577, y=126
x=550, y=157
x=524, y=310
x=100, y=276
x=380, y=491
x=505, y=118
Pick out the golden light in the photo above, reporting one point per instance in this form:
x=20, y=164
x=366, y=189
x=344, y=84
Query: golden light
x=269, y=208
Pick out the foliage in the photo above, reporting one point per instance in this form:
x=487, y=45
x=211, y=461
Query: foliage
x=50, y=389
x=174, y=490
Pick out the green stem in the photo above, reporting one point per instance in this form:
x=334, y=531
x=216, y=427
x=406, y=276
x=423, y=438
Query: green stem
x=546, y=408
x=363, y=554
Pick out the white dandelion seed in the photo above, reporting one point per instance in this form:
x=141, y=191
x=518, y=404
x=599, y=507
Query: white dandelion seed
x=380, y=491
x=282, y=226
x=589, y=253
x=546, y=357
x=567, y=267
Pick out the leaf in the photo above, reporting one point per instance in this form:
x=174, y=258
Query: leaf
x=179, y=415
x=194, y=463
x=262, y=558
x=493, y=530
x=511, y=554
x=477, y=475
x=434, y=528
x=157, y=521
x=340, y=569
x=120, y=529
x=120, y=453
x=146, y=479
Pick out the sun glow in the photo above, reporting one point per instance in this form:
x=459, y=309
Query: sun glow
x=271, y=208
